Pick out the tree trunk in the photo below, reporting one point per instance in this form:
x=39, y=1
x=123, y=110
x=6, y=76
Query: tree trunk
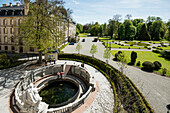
x=40, y=57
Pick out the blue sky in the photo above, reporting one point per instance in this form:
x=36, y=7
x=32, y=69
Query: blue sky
x=87, y=11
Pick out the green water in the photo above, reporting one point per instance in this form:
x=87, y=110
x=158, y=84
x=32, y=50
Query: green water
x=58, y=92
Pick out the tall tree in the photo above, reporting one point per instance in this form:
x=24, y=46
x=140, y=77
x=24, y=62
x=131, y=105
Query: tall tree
x=104, y=29
x=168, y=31
x=144, y=34
x=156, y=29
x=121, y=32
x=130, y=30
x=38, y=29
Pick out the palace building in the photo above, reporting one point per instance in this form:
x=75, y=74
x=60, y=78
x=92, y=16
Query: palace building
x=10, y=17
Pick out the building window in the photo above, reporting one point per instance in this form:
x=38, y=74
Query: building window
x=12, y=39
x=31, y=49
x=13, y=48
x=4, y=22
x=6, y=48
x=6, y=39
x=0, y=39
x=0, y=47
x=12, y=22
x=19, y=21
x=5, y=30
x=12, y=30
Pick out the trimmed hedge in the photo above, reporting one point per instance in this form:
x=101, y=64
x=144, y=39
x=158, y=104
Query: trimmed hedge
x=122, y=85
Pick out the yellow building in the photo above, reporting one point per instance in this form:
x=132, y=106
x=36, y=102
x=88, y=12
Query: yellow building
x=10, y=17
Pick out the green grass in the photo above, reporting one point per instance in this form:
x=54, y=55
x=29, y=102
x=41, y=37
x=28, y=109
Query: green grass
x=164, y=48
x=104, y=38
x=124, y=47
x=83, y=34
x=147, y=56
x=137, y=43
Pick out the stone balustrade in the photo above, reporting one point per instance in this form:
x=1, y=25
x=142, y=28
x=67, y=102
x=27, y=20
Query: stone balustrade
x=30, y=77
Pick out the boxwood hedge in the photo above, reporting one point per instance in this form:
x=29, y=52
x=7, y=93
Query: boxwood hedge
x=124, y=90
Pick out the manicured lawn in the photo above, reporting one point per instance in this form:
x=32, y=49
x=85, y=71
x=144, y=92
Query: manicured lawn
x=147, y=56
x=124, y=47
x=83, y=34
x=104, y=38
x=164, y=48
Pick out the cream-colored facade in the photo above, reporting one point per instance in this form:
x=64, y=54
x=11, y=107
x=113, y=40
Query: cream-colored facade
x=10, y=17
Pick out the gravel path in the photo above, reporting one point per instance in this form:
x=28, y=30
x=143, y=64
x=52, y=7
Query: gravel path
x=155, y=88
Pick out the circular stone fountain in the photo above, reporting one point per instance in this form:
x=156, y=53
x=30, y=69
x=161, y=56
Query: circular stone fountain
x=43, y=90
x=58, y=93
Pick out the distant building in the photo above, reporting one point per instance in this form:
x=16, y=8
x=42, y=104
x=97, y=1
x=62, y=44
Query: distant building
x=10, y=17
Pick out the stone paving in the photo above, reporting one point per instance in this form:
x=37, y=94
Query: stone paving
x=104, y=101
x=103, y=97
x=155, y=88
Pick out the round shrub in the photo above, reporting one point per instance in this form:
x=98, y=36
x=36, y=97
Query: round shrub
x=158, y=46
x=156, y=51
x=119, y=52
x=147, y=65
x=125, y=42
x=122, y=45
x=138, y=63
x=158, y=65
x=153, y=47
x=149, y=48
x=131, y=44
x=128, y=47
x=145, y=46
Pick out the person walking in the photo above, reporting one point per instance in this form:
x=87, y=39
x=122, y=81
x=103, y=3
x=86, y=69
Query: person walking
x=54, y=60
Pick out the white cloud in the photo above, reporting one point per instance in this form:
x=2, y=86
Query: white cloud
x=76, y=2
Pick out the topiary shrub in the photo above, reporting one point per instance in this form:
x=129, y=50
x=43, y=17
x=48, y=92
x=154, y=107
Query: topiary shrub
x=153, y=47
x=116, y=55
x=131, y=44
x=119, y=52
x=148, y=66
x=133, y=57
x=122, y=45
x=158, y=65
x=145, y=46
x=128, y=47
x=149, y=48
x=156, y=51
x=138, y=64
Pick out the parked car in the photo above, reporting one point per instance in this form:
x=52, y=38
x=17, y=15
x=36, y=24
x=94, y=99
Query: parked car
x=71, y=43
x=83, y=40
x=95, y=40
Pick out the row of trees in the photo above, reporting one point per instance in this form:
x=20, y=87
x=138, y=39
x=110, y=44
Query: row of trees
x=139, y=29
x=93, y=51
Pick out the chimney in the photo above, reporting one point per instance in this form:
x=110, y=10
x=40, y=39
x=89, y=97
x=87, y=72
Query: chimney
x=4, y=5
x=10, y=4
x=18, y=4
